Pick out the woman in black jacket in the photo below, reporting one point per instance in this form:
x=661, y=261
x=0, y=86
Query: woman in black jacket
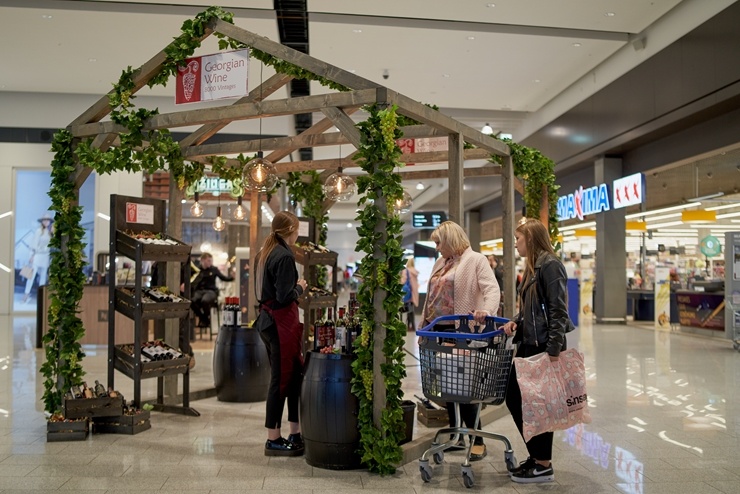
x=540, y=327
x=277, y=289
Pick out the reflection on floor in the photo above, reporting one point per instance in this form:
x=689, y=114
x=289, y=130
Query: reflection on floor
x=665, y=410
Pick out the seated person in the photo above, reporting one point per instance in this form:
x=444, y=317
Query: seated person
x=203, y=289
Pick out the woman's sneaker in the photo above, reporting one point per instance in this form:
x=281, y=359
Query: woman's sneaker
x=523, y=467
x=536, y=474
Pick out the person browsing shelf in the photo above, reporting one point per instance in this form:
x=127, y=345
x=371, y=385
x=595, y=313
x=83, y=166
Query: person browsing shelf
x=204, y=290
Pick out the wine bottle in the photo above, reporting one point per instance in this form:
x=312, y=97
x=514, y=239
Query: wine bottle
x=100, y=389
x=228, y=313
x=320, y=331
x=340, y=328
x=330, y=330
x=238, y=312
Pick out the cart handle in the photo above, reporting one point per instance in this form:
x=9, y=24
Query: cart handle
x=427, y=332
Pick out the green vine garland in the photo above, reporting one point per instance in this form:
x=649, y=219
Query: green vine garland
x=310, y=192
x=538, y=171
x=380, y=269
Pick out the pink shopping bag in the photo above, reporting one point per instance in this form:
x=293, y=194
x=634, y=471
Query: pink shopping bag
x=553, y=393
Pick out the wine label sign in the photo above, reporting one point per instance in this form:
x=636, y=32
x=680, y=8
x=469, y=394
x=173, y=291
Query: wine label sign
x=212, y=77
x=139, y=213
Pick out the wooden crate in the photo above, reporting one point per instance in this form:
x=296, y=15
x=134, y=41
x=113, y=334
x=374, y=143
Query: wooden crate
x=127, y=246
x=124, y=362
x=126, y=304
x=432, y=417
x=122, y=424
x=93, y=407
x=67, y=430
x=309, y=258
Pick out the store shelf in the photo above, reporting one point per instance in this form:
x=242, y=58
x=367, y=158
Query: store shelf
x=124, y=362
x=309, y=302
x=310, y=258
x=126, y=305
x=127, y=245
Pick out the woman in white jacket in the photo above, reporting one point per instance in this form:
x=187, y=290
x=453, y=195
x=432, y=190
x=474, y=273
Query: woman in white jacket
x=462, y=282
x=39, y=260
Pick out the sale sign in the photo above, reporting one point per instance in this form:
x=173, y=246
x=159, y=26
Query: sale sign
x=212, y=77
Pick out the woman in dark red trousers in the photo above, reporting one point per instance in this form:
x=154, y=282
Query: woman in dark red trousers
x=277, y=288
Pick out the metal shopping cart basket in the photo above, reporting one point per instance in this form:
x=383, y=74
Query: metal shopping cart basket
x=464, y=367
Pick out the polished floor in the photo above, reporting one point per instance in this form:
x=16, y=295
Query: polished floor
x=665, y=409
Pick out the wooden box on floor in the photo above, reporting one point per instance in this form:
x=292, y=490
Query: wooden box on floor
x=93, y=407
x=123, y=424
x=67, y=430
x=432, y=417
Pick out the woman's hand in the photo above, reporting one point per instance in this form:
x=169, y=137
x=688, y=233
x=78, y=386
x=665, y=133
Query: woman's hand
x=302, y=283
x=553, y=359
x=509, y=328
x=479, y=316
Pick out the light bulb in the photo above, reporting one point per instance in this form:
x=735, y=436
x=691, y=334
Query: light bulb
x=219, y=224
x=260, y=174
x=403, y=205
x=339, y=187
x=196, y=209
x=239, y=212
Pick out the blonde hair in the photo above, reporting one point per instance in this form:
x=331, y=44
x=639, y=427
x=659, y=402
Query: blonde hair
x=537, y=240
x=410, y=263
x=450, y=234
x=283, y=225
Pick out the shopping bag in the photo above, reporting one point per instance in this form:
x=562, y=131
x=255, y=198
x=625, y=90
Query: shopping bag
x=27, y=271
x=553, y=393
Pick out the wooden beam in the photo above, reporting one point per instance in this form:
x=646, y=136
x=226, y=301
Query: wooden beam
x=257, y=94
x=228, y=114
x=508, y=224
x=345, y=124
x=295, y=57
x=456, y=179
x=326, y=206
x=424, y=114
x=518, y=185
x=252, y=145
x=442, y=156
x=141, y=77
x=485, y=171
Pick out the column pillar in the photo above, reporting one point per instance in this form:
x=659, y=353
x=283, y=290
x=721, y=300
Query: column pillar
x=610, y=301
x=472, y=228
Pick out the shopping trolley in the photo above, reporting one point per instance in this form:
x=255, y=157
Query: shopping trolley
x=464, y=367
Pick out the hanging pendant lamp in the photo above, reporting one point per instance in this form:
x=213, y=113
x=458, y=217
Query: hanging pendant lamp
x=240, y=212
x=196, y=209
x=260, y=174
x=339, y=186
x=403, y=205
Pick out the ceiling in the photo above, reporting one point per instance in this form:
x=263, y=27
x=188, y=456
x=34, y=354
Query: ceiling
x=511, y=63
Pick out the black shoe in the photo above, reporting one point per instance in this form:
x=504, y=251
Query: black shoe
x=523, y=466
x=536, y=474
x=282, y=447
x=297, y=440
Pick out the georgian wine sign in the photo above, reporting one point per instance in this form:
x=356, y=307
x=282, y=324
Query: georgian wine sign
x=212, y=77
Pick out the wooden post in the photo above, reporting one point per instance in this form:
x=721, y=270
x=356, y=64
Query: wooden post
x=545, y=208
x=379, y=390
x=456, y=178
x=172, y=326
x=509, y=217
x=255, y=224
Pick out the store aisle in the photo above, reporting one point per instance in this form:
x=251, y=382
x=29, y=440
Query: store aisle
x=665, y=408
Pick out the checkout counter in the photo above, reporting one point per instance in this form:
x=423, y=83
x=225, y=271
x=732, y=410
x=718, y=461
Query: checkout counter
x=702, y=307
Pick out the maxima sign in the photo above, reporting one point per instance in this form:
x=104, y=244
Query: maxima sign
x=626, y=192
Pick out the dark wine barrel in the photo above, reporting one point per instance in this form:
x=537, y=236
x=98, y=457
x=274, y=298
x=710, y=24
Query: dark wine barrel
x=329, y=413
x=241, y=369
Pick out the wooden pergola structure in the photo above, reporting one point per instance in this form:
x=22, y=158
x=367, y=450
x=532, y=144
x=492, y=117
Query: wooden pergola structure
x=337, y=108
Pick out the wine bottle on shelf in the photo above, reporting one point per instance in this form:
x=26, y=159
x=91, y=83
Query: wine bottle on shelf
x=100, y=390
x=340, y=328
x=320, y=330
x=228, y=313
x=238, y=313
x=331, y=334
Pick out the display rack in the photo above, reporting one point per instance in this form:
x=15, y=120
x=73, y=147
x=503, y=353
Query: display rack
x=136, y=215
x=312, y=304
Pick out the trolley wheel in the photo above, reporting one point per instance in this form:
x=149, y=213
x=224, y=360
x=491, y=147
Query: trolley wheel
x=439, y=457
x=510, y=460
x=426, y=471
x=468, y=477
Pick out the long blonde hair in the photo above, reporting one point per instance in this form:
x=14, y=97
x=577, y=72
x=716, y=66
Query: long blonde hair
x=283, y=225
x=537, y=240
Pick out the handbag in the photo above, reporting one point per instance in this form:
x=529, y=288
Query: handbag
x=554, y=394
x=27, y=271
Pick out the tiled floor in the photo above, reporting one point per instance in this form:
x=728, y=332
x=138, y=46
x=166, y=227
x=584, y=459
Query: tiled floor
x=665, y=410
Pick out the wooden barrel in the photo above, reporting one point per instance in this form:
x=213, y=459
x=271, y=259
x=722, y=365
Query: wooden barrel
x=241, y=369
x=329, y=413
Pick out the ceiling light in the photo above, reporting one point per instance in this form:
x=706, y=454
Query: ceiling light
x=662, y=210
x=663, y=225
x=339, y=186
x=196, y=209
x=240, y=211
x=92, y=60
x=471, y=38
x=357, y=31
x=536, y=81
x=487, y=129
x=350, y=225
x=445, y=75
x=576, y=45
x=420, y=186
x=260, y=174
x=727, y=215
x=46, y=16
x=403, y=205
x=219, y=224
x=183, y=201
x=708, y=196
x=726, y=206
x=6, y=213
x=610, y=14
x=490, y=5
x=104, y=216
